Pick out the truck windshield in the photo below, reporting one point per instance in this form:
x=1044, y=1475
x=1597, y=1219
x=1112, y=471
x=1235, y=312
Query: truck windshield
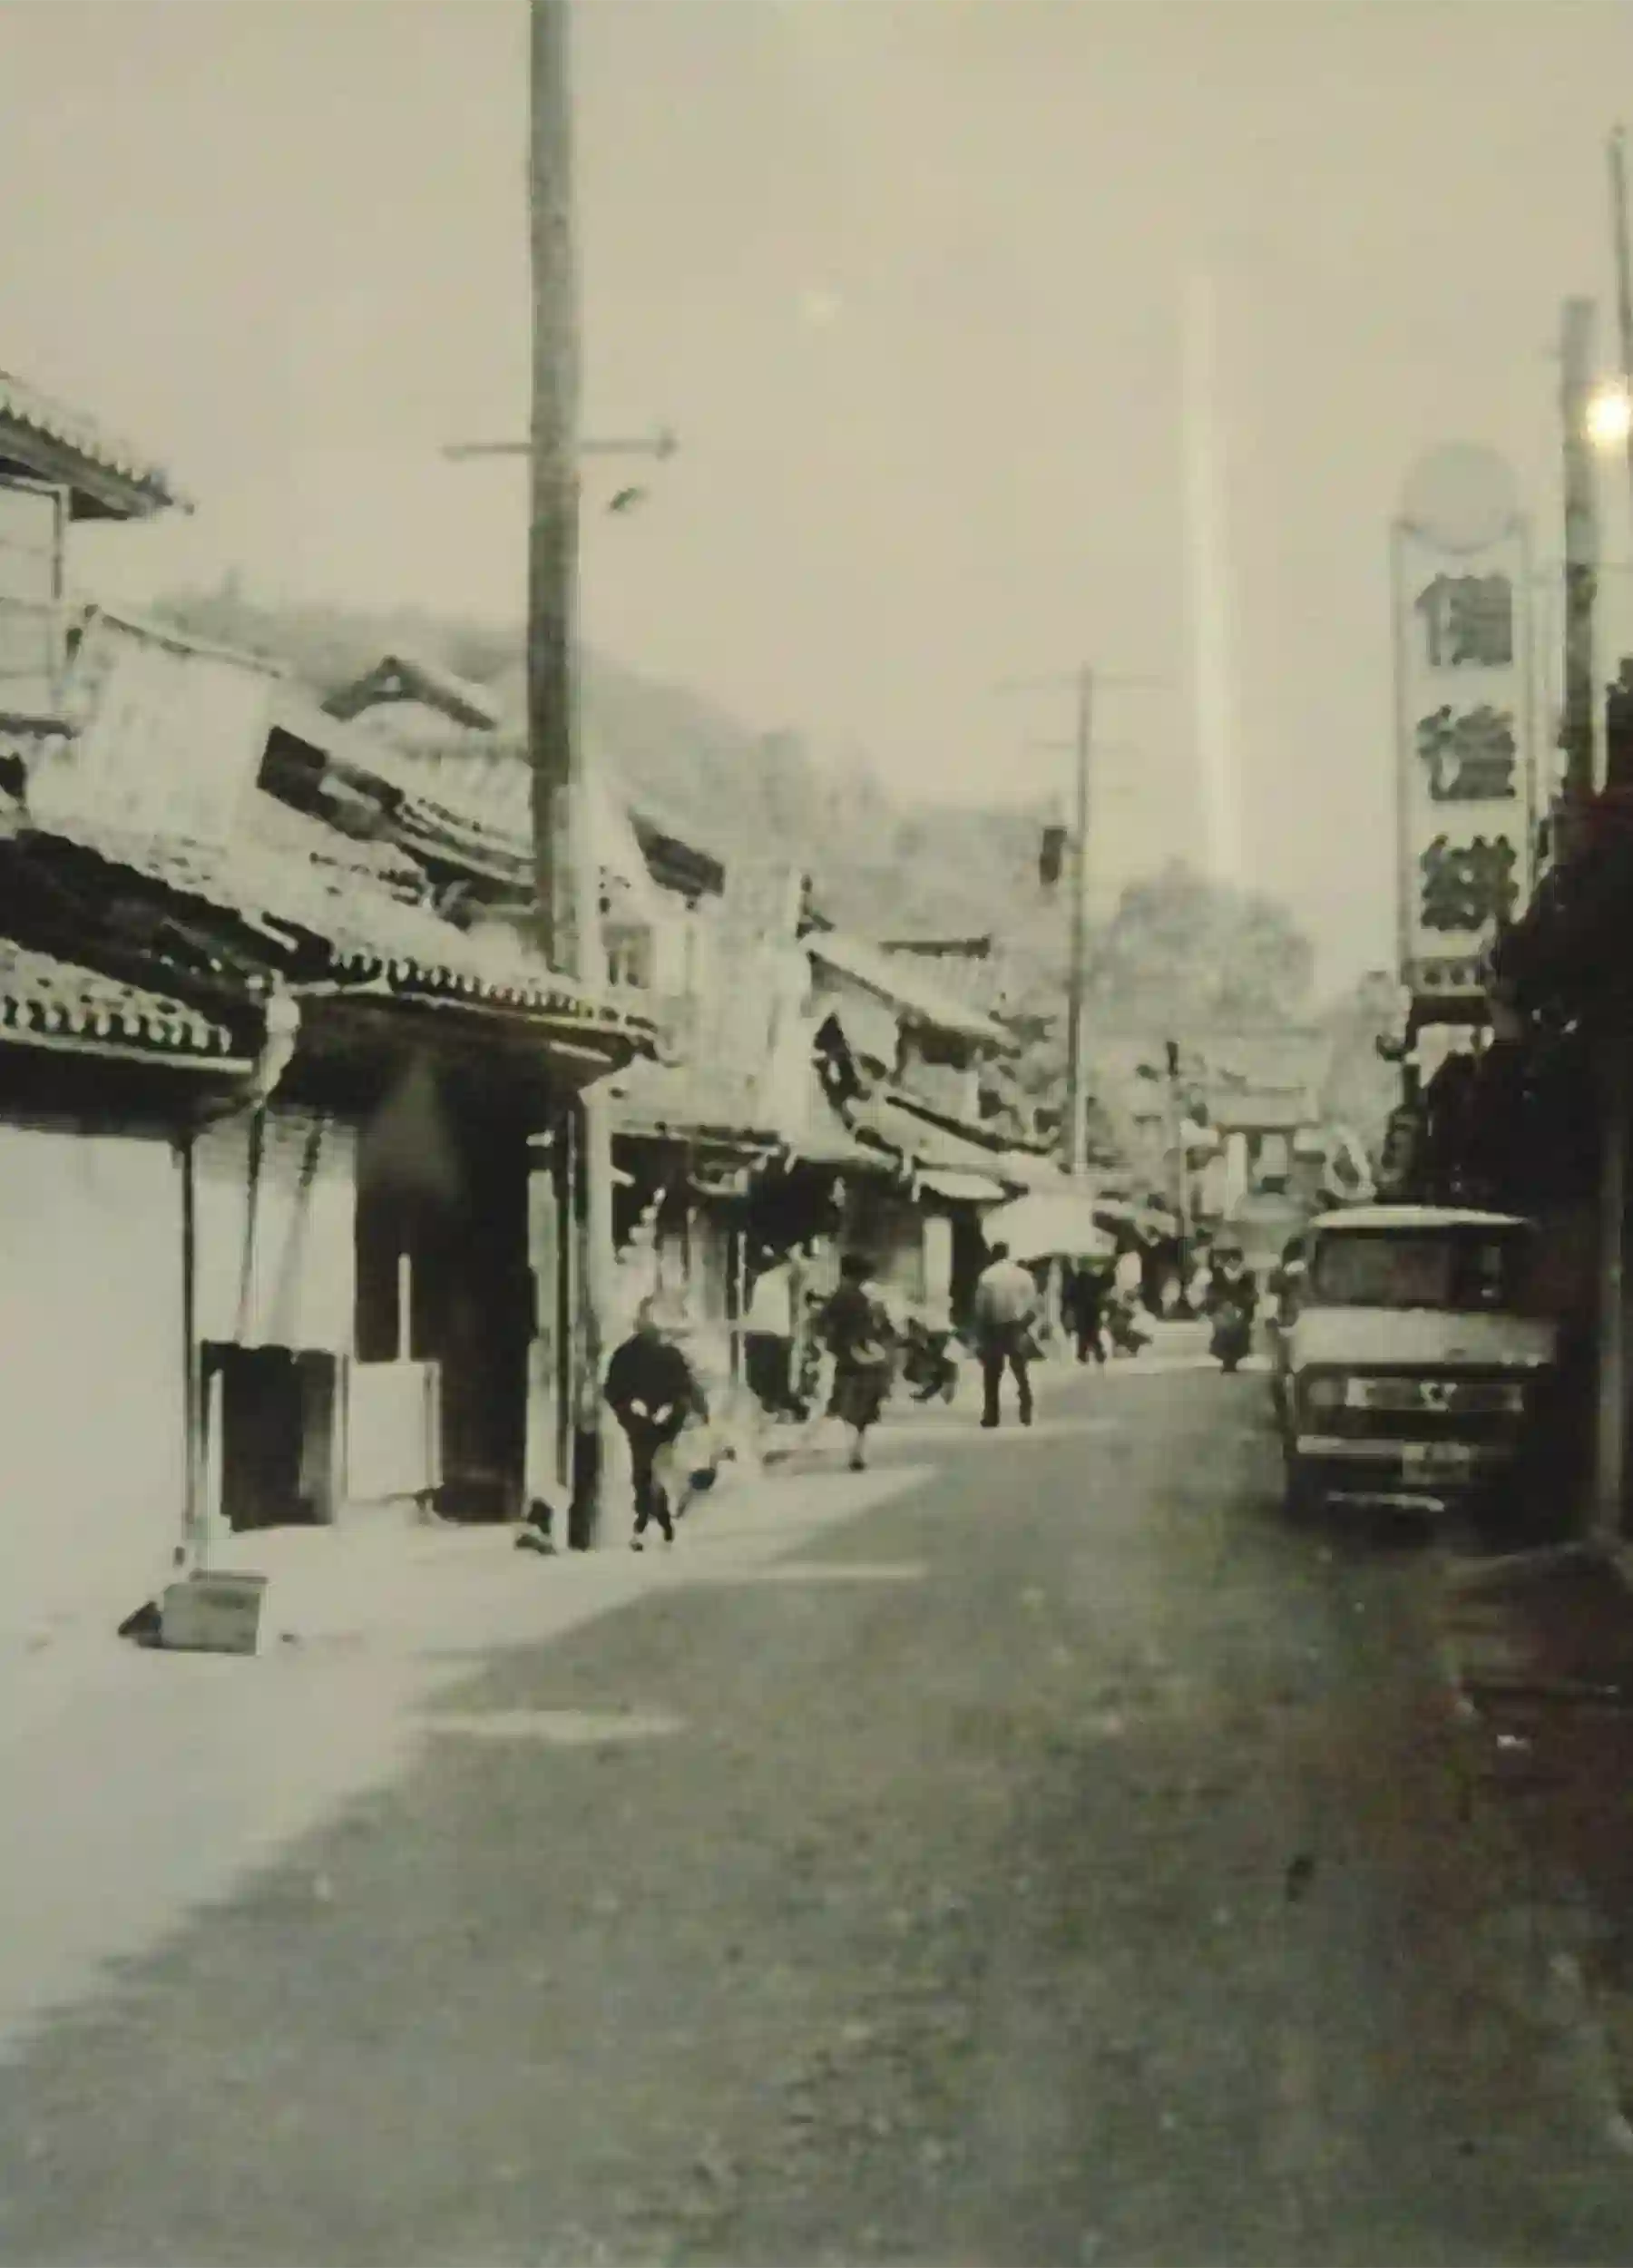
x=1462, y=1269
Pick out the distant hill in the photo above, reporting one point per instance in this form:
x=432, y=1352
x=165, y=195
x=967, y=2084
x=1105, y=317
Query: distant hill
x=882, y=866
x=1179, y=954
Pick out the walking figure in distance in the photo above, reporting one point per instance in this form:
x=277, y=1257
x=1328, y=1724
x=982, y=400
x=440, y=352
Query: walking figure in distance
x=1006, y=1306
x=651, y=1392
x=1083, y=1311
x=859, y=1334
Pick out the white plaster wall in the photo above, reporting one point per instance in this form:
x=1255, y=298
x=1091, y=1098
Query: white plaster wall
x=92, y=1429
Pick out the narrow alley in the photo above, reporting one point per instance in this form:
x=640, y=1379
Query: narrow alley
x=1061, y=1861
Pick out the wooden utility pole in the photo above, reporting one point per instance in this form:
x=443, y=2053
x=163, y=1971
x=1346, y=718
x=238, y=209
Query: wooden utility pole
x=552, y=722
x=1616, y=1088
x=566, y=876
x=1610, y=1443
x=1084, y=682
x=1077, y=976
x=567, y=881
x=1181, y=1177
x=1577, y=734
x=1624, y=270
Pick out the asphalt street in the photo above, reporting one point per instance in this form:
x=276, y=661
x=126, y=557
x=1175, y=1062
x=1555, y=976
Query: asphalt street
x=1063, y=1862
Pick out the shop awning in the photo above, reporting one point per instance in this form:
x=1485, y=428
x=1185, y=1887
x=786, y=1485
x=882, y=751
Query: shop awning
x=1025, y=1169
x=931, y=1149
x=965, y=1189
x=685, y=1102
x=48, y=1002
x=1037, y=1228
x=824, y=1140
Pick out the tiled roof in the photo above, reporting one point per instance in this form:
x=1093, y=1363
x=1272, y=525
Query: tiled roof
x=42, y=999
x=824, y=1140
x=277, y=827
x=903, y=986
x=481, y=779
x=891, y=1121
x=482, y=776
x=24, y=405
x=367, y=930
x=686, y=1103
x=683, y=1098
x=399, y=676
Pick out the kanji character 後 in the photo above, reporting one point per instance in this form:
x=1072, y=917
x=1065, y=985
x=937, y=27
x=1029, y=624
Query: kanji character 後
x=1472, y=757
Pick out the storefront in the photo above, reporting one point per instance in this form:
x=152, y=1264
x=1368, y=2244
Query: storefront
x=99, y=1082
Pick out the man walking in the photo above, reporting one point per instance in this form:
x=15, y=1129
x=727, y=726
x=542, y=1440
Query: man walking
x=768, y=1336
x=652, y=1393
x=1083, y=1311
x=1006, y=1302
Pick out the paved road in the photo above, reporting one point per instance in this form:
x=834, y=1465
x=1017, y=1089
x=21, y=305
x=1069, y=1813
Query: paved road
x=1061, y=1863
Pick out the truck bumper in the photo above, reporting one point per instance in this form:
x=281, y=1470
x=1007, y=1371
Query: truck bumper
x=1408, y=1473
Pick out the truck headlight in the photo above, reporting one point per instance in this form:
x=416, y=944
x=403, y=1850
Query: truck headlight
x=1323, y=1393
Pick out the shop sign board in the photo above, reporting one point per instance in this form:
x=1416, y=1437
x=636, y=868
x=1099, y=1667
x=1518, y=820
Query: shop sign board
x=1466, y=766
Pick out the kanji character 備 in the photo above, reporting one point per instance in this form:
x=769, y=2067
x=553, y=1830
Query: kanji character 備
x=1469, y=619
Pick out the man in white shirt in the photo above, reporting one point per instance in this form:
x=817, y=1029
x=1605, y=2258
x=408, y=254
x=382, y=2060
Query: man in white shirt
x=1005, y=1305
x=768, y=1338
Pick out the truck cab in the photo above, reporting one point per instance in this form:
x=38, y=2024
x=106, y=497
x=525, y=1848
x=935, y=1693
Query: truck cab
x=1413, y=1359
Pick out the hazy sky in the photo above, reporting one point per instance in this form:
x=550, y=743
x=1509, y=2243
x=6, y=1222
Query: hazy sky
x=905, y=277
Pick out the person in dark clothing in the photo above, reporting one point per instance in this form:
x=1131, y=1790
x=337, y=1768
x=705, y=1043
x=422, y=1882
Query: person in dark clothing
x=1232, y=1305
x=1082, y=1310
x=651, y=1392
x=860, y=1336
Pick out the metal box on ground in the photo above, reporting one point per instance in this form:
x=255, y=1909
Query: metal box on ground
x=213, y=1614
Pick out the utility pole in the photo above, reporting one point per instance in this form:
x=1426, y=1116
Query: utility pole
x=1624, y=270
x=566, y=880
x=1084, y=683
x=1077, y=1101
x=1581, y=572
x=1616, y=1073
x=1175, y=1114
x=553, y=744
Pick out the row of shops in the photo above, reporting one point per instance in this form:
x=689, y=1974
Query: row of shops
x=288, y=1100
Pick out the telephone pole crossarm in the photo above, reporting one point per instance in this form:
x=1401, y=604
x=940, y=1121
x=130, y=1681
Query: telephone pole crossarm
x=661, y=446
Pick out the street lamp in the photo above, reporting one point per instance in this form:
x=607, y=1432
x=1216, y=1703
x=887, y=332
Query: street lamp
x=1609, y=415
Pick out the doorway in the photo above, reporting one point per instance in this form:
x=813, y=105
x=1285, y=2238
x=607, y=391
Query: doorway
x=272, y=1418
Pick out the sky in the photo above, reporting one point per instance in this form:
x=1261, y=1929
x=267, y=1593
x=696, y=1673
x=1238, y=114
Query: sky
x=905, y=277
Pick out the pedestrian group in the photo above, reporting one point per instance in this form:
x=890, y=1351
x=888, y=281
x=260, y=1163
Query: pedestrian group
x=812, y=1357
